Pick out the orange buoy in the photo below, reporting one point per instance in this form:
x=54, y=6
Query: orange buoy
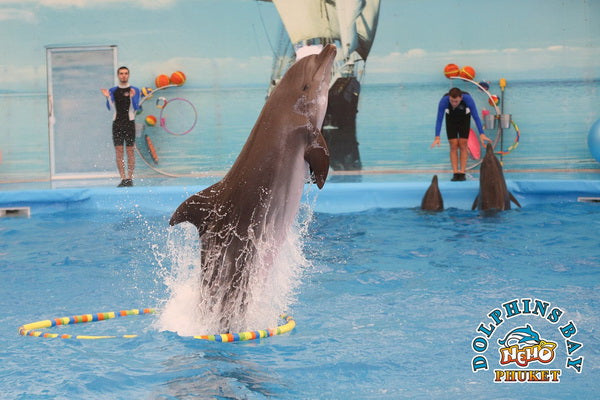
x=161, y=80
x=178, y=78
x=467, y=72
x=451, y=70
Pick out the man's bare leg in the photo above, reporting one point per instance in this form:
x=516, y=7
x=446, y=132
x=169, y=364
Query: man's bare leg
x=130, y=161
x=120, y=161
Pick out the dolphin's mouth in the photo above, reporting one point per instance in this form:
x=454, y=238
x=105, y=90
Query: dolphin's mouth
x=328, y=51
x=322, y=77
x=328, y=55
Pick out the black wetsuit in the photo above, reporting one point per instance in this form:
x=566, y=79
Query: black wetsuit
x=123, y=129
x=458, y=120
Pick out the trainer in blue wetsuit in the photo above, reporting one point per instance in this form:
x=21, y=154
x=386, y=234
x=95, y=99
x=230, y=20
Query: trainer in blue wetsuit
x=125, y=101
x=458, y=107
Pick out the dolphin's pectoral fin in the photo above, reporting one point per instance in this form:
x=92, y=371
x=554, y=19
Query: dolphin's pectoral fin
x=317, y=157
x=513, y=199
x=196, y=210
x=474, y=206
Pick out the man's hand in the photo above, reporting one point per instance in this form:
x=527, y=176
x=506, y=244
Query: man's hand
x=484, y=139
x=436, y=142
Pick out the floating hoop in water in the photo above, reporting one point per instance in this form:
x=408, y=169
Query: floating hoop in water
x=32, y=329
x=243, y=336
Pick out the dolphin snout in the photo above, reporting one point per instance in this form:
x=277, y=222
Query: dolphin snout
x=328, y=51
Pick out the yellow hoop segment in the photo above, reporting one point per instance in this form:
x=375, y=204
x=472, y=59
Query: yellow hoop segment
x=32, y=329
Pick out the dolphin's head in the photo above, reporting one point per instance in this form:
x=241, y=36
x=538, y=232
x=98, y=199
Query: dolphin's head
x=299, y=103
x=489, y=150
x=432, y=200
x=490, y=163
x=305, y=86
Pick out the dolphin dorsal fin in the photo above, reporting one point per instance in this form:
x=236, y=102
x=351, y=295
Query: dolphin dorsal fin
x=197, y=209
x=474, y=206
x=513, y=199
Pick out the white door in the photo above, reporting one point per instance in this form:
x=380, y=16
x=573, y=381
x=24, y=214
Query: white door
x=79, y=125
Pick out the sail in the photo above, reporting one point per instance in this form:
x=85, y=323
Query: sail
x=366, y=27
x=308, y=19
x=351, y=22
x=347, y=13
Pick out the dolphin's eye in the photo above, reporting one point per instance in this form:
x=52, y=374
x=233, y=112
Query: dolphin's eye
x=305, y=88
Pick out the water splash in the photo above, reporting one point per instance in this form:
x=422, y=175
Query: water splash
x=272, y=280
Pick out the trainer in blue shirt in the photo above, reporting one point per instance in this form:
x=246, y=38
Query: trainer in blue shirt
x=458, y=107
x=125, y=101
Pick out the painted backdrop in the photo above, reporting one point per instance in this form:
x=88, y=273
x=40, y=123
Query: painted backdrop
x=223, y=44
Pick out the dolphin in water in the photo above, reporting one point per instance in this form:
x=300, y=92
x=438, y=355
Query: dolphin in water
x=493, y=193
x=243, y=219
x=432, y=200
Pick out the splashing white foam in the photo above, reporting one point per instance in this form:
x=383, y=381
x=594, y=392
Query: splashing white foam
x=271, y=290
x=181, y=279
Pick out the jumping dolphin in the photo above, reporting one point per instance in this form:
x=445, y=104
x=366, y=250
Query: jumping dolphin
x=493, y=193
x=243, y=219
x=432, y=200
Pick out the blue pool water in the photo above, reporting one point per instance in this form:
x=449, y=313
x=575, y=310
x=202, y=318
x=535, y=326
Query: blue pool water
x=387, y=306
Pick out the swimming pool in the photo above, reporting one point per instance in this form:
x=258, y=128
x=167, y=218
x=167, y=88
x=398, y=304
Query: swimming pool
x=388, y=304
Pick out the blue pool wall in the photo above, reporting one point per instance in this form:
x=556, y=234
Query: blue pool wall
x=334, y=198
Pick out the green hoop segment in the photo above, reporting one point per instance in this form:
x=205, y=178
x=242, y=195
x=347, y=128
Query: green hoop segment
x=516, y=141
x=33, y=328
x=251, y=335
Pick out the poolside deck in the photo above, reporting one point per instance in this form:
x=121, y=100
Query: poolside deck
x=339, y=194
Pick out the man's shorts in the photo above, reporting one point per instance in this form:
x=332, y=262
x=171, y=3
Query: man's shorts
x=458, y=128
x=123, y=131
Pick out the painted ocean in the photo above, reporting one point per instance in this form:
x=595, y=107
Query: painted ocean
x=395, y=129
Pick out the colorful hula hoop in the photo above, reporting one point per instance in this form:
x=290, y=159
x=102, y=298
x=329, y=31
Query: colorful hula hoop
x=32, y=329
x=496, y=110
x=163, y=122
x=243, y=336
x=161, y=103
x=515, y=142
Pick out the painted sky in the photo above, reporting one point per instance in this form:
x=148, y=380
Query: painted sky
x=229, y=42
